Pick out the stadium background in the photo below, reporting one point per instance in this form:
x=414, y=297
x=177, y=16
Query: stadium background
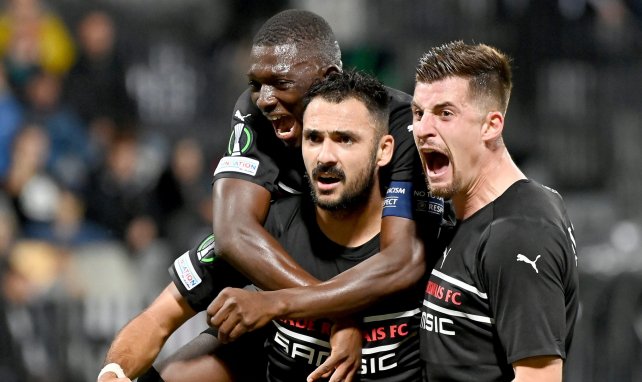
x=71, y=279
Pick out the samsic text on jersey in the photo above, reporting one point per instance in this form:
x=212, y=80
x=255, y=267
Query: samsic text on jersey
x=504, y=289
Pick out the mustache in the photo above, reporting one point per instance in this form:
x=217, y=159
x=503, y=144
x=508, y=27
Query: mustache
x=329, y=170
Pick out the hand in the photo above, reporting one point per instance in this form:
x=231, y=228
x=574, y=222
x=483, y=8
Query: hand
x=236, y=311
x=345, y=355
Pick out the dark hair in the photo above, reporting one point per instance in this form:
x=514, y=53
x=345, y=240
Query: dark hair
x=301, y=27
x=339, y=86
x=487, y=68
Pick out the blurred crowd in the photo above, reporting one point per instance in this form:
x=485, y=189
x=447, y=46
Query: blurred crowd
x=87, y=198
x=111, y=123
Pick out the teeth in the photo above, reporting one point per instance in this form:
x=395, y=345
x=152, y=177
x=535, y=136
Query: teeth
x=274, y=118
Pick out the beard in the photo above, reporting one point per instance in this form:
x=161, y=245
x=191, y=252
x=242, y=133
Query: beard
x=355, y=195
x=446, y=192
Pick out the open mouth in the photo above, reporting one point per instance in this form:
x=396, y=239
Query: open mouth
x=284, y=127
x=327, y=178
x=437, y=163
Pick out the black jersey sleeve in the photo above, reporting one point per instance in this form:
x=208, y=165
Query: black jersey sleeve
x=523, y=267
x=407, y=195
x=405, y=157
x=248, y=155
x=200, y=275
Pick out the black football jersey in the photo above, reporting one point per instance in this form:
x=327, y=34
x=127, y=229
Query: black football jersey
x=504, y=289
x=390, y=328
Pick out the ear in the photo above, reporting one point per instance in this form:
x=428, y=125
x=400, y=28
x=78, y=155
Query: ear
x=385, y=150
x=326, y=70
x=493, y=126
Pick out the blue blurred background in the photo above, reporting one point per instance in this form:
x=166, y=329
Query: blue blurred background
x=114, y=113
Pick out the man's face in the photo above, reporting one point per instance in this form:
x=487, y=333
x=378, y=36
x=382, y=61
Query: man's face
x=447, y=127
x=340, y=153
x=279, y=76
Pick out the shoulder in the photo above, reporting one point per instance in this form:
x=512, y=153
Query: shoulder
x=245, y=110
x=530, y=220
x=527, y=204
x=284, y=212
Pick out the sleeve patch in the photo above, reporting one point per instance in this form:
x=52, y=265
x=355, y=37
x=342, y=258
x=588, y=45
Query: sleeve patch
x=186, y=272
x=241, y=165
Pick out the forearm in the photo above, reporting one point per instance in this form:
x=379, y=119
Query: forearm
x=240, y=209
x=139, y=342
x=137, y=345
x=262, y=260
x=399, y=265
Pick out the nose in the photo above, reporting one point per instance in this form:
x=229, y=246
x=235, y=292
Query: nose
x=423, y=128
x=266, y=101
x=327, y=155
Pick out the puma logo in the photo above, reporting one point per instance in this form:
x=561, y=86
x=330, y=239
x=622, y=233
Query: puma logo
x=525, y=259
x=241, y=117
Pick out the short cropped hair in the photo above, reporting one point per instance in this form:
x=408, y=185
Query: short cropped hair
x=304, y=28
x=487, y=68
x=339, y=86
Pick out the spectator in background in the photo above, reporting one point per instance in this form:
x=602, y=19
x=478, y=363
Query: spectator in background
x=68, y=226
x=33, y=39
x=184, y=192
x=11, y=363
x=122, y=199
x=11, y=116
x=69, y=153
x=95, y=86
x=119, y=197
x=27, y=184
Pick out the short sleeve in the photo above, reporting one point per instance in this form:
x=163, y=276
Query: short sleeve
x=249, y=155
x=200, y=275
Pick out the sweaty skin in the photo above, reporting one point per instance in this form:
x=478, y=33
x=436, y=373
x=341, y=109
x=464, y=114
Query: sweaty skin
x=279, y=76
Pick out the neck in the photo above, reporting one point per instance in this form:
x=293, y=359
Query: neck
x=353, y=227
x=492, y=181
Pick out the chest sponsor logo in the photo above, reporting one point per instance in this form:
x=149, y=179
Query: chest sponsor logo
x=186, y=272
x=241, y=165
x=445, y=294
x=526, y=260
x=307, y=341
x=433, y=323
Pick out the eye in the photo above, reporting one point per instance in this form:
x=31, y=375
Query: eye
x=347, y=140
x=282, y=84
x=445, y=113
x=417, y=114
x=311, y=136
x=254, y=85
